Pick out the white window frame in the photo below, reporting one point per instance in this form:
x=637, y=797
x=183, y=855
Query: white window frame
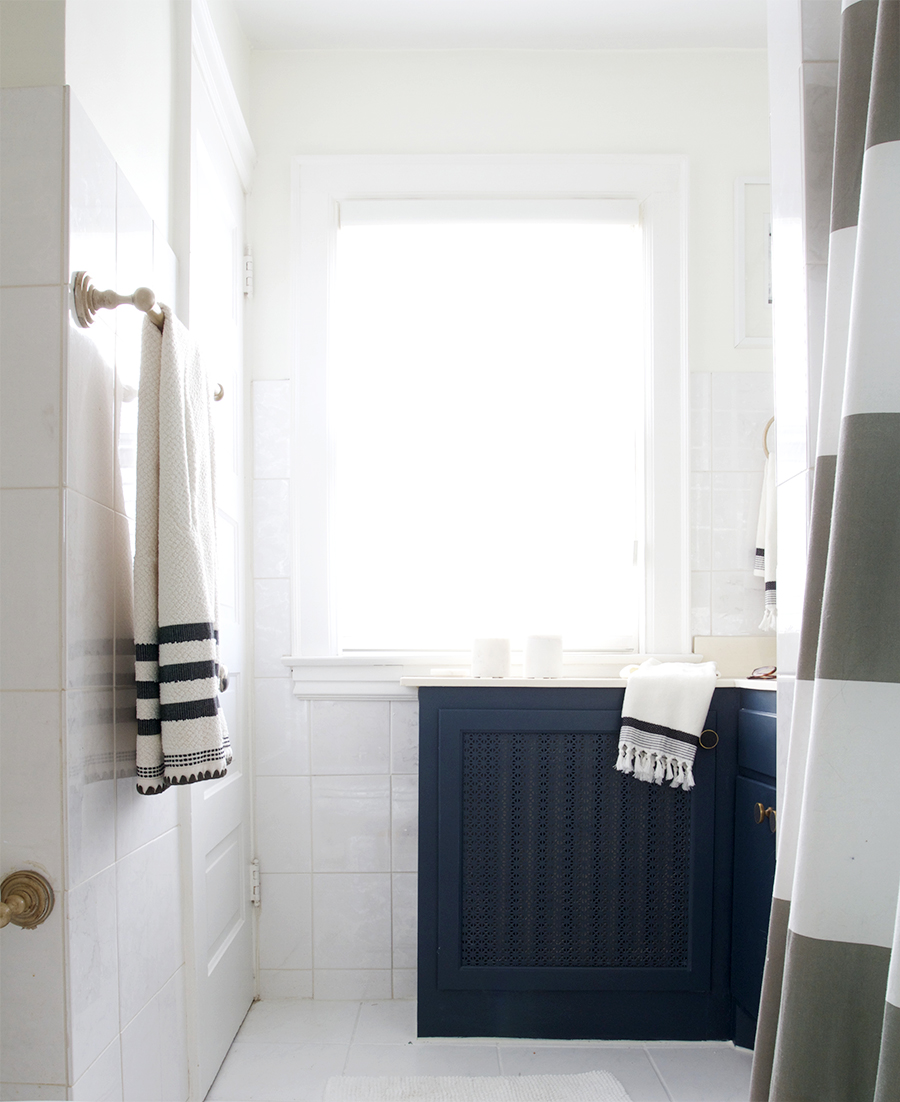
x=658, y=184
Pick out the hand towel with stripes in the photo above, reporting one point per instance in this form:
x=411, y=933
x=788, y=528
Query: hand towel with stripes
x=663, y=713
x=182, y=735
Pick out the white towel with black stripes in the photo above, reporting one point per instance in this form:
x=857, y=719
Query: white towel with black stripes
x=182, y=736
x=665, y=706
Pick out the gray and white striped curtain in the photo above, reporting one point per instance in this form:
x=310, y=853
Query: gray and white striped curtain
x=829, y=1026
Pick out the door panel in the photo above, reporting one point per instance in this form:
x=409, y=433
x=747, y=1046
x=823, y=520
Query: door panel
x=221, y=950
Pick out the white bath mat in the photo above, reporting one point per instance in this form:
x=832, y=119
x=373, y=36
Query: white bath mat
x=591, y=1086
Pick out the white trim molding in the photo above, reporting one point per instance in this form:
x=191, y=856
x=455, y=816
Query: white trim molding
x=655, y=185
x=217, y=80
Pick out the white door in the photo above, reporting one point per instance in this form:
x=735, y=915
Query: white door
x=221, y=944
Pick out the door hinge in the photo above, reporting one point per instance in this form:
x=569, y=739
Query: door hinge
x=248, y=272
x=254, y=882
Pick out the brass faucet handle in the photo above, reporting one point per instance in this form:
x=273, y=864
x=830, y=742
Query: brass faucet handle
x=26, y=899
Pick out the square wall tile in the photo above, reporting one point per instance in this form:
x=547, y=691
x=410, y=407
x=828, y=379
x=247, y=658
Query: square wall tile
x=742, y=402
x=154, y=1048
x=31, y=385
x=351, y=818
x=271, y=528
x=90, y=411
x=345, y=983
x=103, y=1079
x=149, y=930
x=272, y=428
x=350, y=736
x=701, y=616
x=31, y=797
x=352, y=920
x=736, y=499
x=30, y=589
x=31, y=182
x=404, y=823
x=90, y=573
x=283, y=824
x=405, y=982
x=285, y=983
x=92, y=204
x=91, y=782
x=91, y=927
x=736, y=602
x=404, y=911
x=404, y=736
x=285, y=921
x=271, y=625
x=33, y=1008
x=281, y=728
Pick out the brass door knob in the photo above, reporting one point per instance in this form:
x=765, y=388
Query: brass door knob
x=26, y=898
x=761, y=814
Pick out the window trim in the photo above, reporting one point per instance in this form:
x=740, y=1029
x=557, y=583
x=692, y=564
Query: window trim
x=658, y=183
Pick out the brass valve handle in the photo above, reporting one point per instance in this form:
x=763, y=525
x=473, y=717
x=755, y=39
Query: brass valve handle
x=26, y=899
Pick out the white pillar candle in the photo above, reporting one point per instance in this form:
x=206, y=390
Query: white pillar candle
x=490, y=658
x=543, y=656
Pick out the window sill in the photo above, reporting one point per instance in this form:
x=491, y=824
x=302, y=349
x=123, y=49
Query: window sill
x=397, y=676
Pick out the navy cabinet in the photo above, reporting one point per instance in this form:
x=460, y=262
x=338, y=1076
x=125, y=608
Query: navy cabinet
x=557, y=897
x=754, y=856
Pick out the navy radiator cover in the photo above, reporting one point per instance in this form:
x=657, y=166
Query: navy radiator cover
x=557, y=897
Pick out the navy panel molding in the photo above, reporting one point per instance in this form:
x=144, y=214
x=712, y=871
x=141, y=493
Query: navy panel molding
x=557, y=897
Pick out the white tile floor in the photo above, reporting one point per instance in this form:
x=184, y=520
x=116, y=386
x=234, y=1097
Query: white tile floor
x=288, y=1048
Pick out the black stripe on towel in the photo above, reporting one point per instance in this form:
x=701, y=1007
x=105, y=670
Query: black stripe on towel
x=188, y=671
x=659, y=729
x=147, y=690
x=189, y=709
x=179, y=761
x=187, y=633
x=146, y=652
x=149, y=727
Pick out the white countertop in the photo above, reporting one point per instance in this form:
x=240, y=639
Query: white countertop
x=561, y=683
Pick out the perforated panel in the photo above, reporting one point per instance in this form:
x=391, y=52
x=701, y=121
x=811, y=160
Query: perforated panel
x=567, y=863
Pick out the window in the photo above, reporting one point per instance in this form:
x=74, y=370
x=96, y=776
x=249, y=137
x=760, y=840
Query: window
x=520, y=471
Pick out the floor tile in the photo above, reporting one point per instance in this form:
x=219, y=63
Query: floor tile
x=631, y=1065
x=417, y=1058
x=386, y=1023
x=299, y=1021
x=258, y=1072
x=704, y=1074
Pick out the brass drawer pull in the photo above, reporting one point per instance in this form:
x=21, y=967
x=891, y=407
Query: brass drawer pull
x=760, y=814
x=709, y=745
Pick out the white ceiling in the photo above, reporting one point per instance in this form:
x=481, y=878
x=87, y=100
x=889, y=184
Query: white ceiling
x=502, y=24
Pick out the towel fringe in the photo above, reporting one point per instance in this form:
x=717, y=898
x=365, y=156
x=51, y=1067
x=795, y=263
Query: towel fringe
x=654, y=766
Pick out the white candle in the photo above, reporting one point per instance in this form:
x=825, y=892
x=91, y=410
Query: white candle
x=543, y=656
x=490, y=658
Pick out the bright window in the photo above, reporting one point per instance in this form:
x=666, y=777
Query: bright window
x=487, y=383
x=490, y=406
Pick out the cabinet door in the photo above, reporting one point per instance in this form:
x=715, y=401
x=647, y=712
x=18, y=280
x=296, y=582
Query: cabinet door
x=754, y=872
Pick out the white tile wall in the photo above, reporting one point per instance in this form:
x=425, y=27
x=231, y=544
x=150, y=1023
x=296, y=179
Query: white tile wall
x=110, y=950
x=338, y=778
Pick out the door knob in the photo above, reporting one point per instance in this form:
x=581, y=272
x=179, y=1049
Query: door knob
x=761, y=814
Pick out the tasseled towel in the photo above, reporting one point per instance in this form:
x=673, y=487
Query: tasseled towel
x=182, y=735
x=663, y=713
x=766, y=546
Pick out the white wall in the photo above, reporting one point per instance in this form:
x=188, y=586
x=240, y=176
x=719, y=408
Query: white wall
x=711, y=105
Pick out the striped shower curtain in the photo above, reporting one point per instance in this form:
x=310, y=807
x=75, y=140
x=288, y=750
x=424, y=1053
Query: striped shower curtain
x=829, y=1026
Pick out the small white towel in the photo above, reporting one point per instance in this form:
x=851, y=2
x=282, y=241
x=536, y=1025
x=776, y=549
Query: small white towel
x=665, y=706
x=766, y=543
x=182, y=735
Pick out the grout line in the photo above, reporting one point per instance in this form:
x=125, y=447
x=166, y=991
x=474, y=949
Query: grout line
x=658, y=1074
